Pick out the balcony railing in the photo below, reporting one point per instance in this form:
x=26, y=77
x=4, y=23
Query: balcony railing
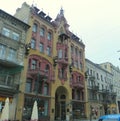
x=10, y=61
x=8, y=85
x=92, y=78
x=63, y=60
x=95, y=88
x=38, y=71
x=77, y=84
x=104, y=91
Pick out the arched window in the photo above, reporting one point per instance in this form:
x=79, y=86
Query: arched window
x=63, y=97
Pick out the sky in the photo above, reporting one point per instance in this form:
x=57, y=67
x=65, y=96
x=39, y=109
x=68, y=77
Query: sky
x=96, y=22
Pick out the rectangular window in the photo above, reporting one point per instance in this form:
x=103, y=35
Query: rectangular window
x=2, y=50
x=6, y=32
x=33, y=44
x=41, y=47
x=81, y=66
x=49, y=37
x=45, y=90
x=28, y=86
x=15, y=36
x=71, y=49
x=12, y=54
x=60, y=54
x=76, y=51
x=34, y=28
x=42, y=32
x=9, y=80
x=80, y=54
x=34, y=64
x=48, y=51
x=43, y=108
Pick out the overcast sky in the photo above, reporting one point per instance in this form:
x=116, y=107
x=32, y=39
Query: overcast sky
x=96, y=22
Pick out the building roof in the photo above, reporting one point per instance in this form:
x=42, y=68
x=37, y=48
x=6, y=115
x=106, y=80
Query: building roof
x=4, y=14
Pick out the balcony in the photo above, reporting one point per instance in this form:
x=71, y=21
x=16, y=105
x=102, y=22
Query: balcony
x=10, y=62
x=92, y=78
x=7, y=88
x=95, y=88
x=78, y=84
x=63, y=60
x=43, y=74
x=36, y=71
x=105, y=91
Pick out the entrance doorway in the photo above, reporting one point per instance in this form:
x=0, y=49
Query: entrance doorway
x=60, y=103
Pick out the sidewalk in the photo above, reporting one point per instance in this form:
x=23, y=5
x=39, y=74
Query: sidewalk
x=79, y=120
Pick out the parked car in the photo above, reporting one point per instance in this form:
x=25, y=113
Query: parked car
x=110, y=117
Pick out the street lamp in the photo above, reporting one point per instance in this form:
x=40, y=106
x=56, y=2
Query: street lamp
x=27, y=48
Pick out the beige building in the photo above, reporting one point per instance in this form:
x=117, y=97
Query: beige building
x=116, y=80
x=12, y=53
x=101, y=94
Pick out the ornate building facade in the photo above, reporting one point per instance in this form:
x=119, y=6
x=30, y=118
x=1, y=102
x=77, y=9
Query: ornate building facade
x=54, y=70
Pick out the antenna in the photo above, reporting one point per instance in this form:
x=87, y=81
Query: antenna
x=33, y=3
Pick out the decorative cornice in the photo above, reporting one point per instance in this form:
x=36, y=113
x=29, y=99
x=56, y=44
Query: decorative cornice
x=13, y=19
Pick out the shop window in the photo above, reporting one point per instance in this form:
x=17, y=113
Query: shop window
x=42, y=108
